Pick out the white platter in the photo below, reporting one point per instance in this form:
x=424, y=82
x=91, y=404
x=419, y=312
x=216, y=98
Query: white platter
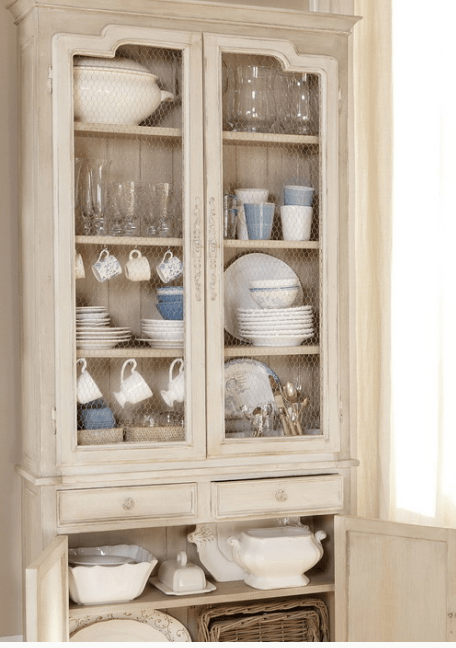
x=165, y=627
x=210, y=587
x=238, y=276
x=246, y=384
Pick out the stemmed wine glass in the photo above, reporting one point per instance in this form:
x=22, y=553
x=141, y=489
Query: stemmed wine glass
x=92, y=186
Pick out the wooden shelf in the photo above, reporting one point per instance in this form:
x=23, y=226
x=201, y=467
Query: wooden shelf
x=269, y=138
x=271, y=245
x=121, y=130
x=249, y=350
x=234, y=591
x=130, y=352
x=133, y=241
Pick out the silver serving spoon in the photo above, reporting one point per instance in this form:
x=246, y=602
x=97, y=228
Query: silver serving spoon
x=293, y=398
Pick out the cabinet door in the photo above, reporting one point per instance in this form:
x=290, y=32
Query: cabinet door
x=129, y=178
x=272, y=122
x=394, y=582
x=46, y=591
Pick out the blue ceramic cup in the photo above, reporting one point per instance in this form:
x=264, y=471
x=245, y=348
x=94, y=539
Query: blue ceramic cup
x=258, y=218
x=298, y=195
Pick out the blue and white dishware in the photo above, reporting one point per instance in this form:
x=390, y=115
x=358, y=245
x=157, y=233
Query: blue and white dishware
x=258, y=218
x=106, y=266
x=298, y=195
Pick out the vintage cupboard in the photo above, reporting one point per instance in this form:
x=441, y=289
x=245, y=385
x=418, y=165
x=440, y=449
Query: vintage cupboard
x=142, y=429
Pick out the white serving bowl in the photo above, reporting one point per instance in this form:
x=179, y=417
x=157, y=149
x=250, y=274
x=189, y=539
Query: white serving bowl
x=279, y=297
x=115, y=91
x=110, y=574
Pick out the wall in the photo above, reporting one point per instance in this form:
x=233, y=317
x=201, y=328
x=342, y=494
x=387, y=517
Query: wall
x=10, y=563
x=10, y=542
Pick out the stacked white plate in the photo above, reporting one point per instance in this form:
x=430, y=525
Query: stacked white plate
x=163, y=334
x=276, y=326
x=93, y=330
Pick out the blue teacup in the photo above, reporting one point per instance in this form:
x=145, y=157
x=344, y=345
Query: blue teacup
x=258, y=218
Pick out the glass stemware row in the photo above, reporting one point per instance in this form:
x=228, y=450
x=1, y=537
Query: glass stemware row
x=119, y=208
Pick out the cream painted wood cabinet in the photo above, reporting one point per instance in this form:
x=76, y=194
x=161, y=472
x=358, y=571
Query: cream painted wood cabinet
x=139, y=427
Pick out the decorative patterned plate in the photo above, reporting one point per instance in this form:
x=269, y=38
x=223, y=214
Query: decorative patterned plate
x=144, y=625
x=246, y=385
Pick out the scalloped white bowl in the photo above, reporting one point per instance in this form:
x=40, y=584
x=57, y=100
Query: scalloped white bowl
x=103, y=583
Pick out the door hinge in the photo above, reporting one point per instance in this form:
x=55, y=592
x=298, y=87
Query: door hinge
x=341, y=413
x=340, y=100
x=54, y=419
x=50, y=80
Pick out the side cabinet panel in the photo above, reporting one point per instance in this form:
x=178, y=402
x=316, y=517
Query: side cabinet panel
x=394, y=582
x=46, y=582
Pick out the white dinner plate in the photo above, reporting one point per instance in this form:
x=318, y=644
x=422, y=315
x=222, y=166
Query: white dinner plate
x=153, y=625
x=238, y=276
x=279, y=340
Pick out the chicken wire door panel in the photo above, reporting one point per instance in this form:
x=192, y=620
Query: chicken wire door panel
x=137, y=329
x=272, y=213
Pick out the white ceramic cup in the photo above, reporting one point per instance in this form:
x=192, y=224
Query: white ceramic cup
x=87, y=389
x=79, y=271
x=137, y=267
x=296, y=222
x=106, y=266
x=133, y=389
x=251, y=196
x=170, y=267
x=176, y=386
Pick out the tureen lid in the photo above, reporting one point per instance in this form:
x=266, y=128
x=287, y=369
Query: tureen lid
x=117, y=63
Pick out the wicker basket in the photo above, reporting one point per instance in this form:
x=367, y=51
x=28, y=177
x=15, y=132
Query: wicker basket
x=154, y=434
x=99, y=437
x=291, y=619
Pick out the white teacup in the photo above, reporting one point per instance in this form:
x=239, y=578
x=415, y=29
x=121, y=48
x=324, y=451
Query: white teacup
x=170, y=267
x=106, y=266
x=133, y=389
x=137, y=267
x=79, y=271
x=176, y=386
x=296, y=222
x=87, y=389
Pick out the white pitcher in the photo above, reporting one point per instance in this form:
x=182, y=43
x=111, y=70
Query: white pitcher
x=176, y=386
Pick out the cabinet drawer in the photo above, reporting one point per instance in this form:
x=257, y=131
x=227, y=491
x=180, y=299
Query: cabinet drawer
x=109, y=504
x=260, y=497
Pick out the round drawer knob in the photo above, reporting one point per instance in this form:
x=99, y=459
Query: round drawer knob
x=281, y=496
x=128, y=504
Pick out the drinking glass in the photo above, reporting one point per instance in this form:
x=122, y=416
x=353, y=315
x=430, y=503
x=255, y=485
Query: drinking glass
x=162, y=195
x=128, y=197
x=99, y=170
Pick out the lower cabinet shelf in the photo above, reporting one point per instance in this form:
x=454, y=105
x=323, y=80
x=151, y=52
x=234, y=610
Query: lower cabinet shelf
x=233, y=591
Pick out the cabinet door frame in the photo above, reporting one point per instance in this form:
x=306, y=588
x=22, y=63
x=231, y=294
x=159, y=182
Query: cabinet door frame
x=46, y=593
x=64, y=46
x=369, y=544
x=328, y=69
